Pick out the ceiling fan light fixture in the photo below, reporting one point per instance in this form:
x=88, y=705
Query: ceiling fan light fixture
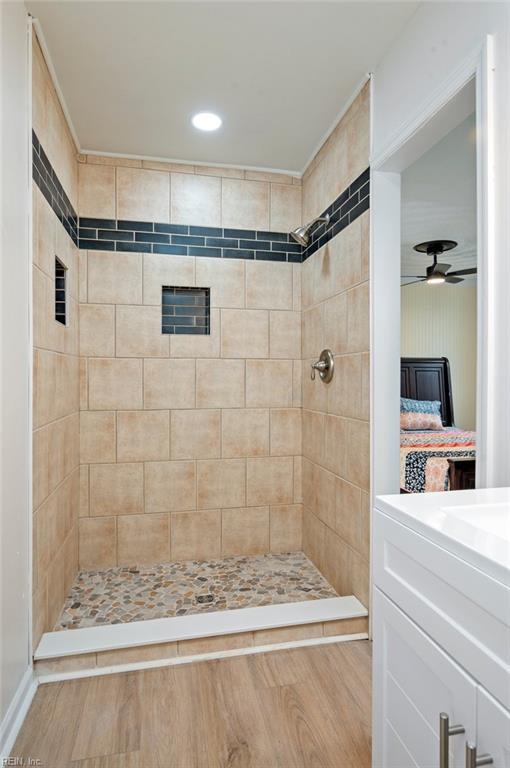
x=435, y=279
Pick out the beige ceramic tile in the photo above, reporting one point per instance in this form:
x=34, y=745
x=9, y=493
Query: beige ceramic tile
x=215, y=644
x=346, y=253
x=84, y=491
x=169, y=383
x=114, y=278
x=285, y=528
x=167, y=270
x=227, y=173
x=315, y=392
x=269, y=383
x=195, y=434
x=357, y=458
x=335, y=324
x=66, y=664
x=195, y=200
x=313, y=435
x=127, y=162
x=286, y=432
x=96, y=191
x=196, y=535
x=245, y=432
x=297, y=384
x=97, y=330
x=285, y=207
x=358, y=319
x=269, y=481
x=336, y=441
x=298, y=479
x=296, y=287
x=345, y=390
x=244, y=333
x=40, y=472
x=245, y=531
x=114, y=384
x=245, y=204
x=143, y=435
x=156, y=165
x=169, y=486
x=287, y=634
x=285, y=335
x=272, y=176
x=269, y=285
x=225, y=278
x=201, y=345
x=220, y=383
x=137, y=654
x=365, y=245
x=221, y=483
x=313, y=331
x=143, y=195
x=98, y=542
x=138, y=332
x=82, y=276
x=84, y=385
x=348, y=513
x=323, y=273
x=143, y=539
x=365, y=386
x=97, y=437
x=346, y=627
x=116, y=489
x=45, y=233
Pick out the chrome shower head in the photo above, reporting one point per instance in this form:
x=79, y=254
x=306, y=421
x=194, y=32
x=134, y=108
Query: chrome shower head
x=302, y=234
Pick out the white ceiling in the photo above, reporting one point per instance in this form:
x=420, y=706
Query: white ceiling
x=278, y=73
x=439, y=201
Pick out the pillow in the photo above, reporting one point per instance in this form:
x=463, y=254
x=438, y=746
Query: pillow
x=420, y=414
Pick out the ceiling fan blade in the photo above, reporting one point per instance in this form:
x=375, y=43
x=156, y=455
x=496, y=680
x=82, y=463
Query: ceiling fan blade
x=420, y=280
x=420, y=277
x=441, y=267
x=471, y=271
x=450, y=279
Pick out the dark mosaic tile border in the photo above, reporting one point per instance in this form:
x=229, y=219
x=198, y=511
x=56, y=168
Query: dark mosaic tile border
x=185, y=310
x=189, y=240
x=47, y=180
x=350, y=204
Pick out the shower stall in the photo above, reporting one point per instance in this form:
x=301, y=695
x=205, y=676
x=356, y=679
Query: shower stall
x=188, y=466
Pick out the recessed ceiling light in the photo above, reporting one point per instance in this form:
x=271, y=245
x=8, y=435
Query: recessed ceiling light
x=206, y=121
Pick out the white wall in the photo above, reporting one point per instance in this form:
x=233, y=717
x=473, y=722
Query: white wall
x=440, y=321
x=15, y=443
x=433, y=46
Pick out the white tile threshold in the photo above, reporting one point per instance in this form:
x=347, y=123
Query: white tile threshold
x=115, y=636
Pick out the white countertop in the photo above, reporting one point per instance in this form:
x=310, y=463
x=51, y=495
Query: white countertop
x=474, y=525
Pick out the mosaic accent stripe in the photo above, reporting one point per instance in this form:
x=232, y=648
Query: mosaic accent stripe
x=190, y=240
x=350, y=204
x=47, y=180
x=187, y=240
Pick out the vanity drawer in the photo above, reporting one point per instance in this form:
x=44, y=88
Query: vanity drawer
x=454, y=603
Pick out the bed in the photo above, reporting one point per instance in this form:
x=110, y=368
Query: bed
x=434, y=460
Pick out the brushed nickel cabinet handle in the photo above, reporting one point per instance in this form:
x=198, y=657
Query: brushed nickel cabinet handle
x=472, y=761
x=445, y=731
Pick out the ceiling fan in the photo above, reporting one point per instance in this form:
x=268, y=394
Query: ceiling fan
x=438, y=273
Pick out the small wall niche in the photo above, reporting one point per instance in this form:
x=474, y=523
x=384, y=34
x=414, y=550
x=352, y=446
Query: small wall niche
x=185, y=310
x=60, y=292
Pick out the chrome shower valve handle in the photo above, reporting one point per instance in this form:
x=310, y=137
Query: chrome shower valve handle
x=325, y=365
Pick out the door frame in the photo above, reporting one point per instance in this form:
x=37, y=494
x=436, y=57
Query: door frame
x=434, y=119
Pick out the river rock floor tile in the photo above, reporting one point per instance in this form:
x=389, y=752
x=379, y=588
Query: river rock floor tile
x=130, y=593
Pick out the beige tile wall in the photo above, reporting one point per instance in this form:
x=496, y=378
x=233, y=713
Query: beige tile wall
x=190, y=447
x=187, y=194
x=56, y=476
x=335, y=314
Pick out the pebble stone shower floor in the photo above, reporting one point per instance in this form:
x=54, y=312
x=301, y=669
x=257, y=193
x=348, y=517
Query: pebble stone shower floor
x=128, y=593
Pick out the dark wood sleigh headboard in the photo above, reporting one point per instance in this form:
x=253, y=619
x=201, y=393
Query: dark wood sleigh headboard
x=428, y=378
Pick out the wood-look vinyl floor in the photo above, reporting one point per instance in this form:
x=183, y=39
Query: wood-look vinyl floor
x=306, y=707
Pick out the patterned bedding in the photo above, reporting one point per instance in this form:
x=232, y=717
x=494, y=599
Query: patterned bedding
x=424, y=457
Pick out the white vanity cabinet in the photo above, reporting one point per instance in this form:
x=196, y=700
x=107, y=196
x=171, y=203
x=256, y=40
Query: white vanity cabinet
x=441, y=631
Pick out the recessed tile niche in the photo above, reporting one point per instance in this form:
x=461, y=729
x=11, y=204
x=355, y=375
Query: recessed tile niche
x=185, y=310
